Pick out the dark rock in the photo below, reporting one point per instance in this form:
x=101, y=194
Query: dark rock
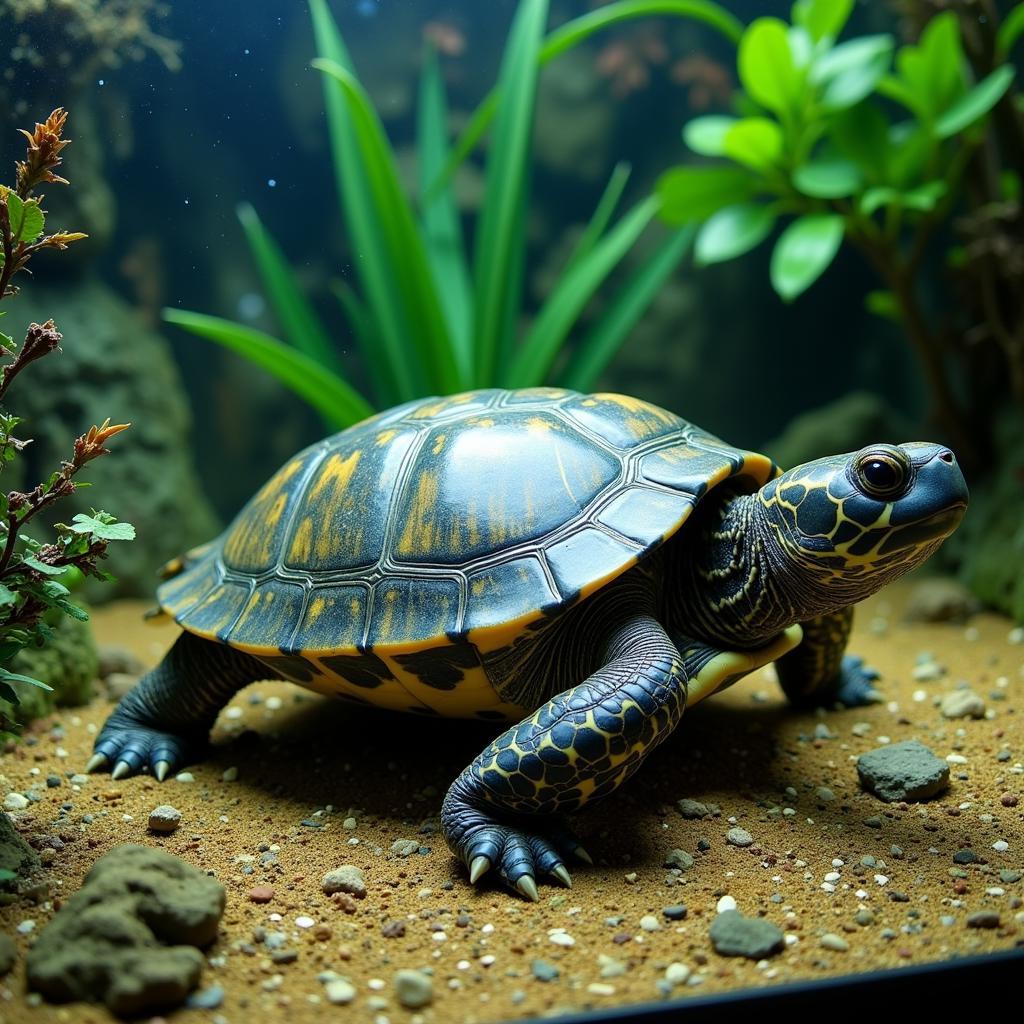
x=903, y=771
x=692, y=810
x=964, y=856
x=983, y=919
x=16, y=856
x=753, y=937
x=127, y=938
x=677, y=912
x=679, y=859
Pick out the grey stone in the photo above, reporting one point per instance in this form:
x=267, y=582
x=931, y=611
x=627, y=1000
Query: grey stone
x=962, y=704
x=739, y=837
x=348, y=878
x=542, y=970
x=983, y=919
x=903, y=771
x=940, y=599
x=413, y=989
x=164, y=818
x=753, y=937
x=692, y=809
x=127, y=938
x=678, y=859
x=405, y=847
x=16, y=856
x=118, y=659
x=1008, y=876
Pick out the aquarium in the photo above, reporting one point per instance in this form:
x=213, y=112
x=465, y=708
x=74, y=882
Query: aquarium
x=509, y=509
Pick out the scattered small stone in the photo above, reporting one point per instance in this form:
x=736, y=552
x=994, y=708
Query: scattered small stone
x=53, y=781
x=964, y=856
x=739, y=837
x=679, y=859
x=825, y=795
x=906, y=771
x=229, y=774
x=962, y=704
x=676, y=912
x=834, y=942
x=261, y=894
x=211, y=998
x=185, y=777
x=560, y=937
x=873, y=822
x=405, y=847
x=599, y=988
x=164, y=819
x=118, y=684
x=983, y=919
x=117, y=659
x=1009, y=800
x=542, y=970
x=339, y=991
x=1000, y=846
x=15, y=802
x=677, y=973
x=348, y=878
x=703, y=845
x=823, y=732
x=755, y=938
x=610, y=966
x=649, y=923
x=860, y=729
x=928, y=671
x=393, y=930
x=1008, y=877
x=727, y=902
x=864, y=917
x=692, y=810
x=413, y=988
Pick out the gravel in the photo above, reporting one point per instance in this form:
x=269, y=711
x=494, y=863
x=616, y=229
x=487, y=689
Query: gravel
x=692, y=810
x=348, y=878
x=962, y=704
x=413, y=988
x=903, y=771
x=732, y=934
x=834, y=942
x=676, y=912
x=983, y=919
x=739, y=837
x=678, y=859
x=340, y=991
x=677, y=973
x=542, y=970
x=164, y=819
x=15, y=802
x=405, y=847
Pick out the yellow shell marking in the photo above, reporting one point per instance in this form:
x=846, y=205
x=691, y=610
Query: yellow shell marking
x=420, y=532
x=250, y=542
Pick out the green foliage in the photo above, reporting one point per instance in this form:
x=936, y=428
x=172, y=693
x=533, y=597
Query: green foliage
x=428, y=318
x=819, y=144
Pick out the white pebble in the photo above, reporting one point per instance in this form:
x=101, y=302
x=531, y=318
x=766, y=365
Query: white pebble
x=1000, y=846
x=995, y=890
x=677, y=973
x=340, y=991
x=560, y=937
x=882, y=879
x=920, y=696
x=956, y=759
x=601, y=988
x=833, y=876
x=184, y=777
x=726, y=903
x=26, y=927
x=304, y=922
x=834, y=942
x=650, y=923
x=1016, y=635
x=15, y=802
x=274, y=704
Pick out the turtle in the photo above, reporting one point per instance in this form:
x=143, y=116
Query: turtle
x=576, y=568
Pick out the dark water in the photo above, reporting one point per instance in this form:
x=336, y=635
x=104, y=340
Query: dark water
x=242, y=120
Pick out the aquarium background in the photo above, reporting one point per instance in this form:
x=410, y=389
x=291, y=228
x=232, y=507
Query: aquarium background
x=210, y=105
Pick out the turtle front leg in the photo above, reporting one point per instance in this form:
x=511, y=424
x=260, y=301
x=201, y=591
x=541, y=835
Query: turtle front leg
x=165, y=720
x=820, y=672
x=504, y=809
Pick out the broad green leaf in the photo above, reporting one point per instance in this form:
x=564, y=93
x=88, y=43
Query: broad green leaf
x=875, y=198
x=43, y=567
x=26, y=218
x=338, y=403
x=694, y=193
x=732, y=232
x=911, y=151
x=755, y=142
x=498, y=252
x=849, y=72
x=828, y=178
x=931, y=73
x=16, y=677
x=442, y=232
x=82, y=523
x=975, y=104
x=766, y=66
x=575, y=288
x=822, y=18
x=73, y=610
x=572, y=33
x=623, y=312
x=1009, y=32
x=7, y=597
x=801, y=46
x=426, y=341
x=602, y=214
x=861, y=134
x=299, y=323
x=706, y=135
x=804, y=251
x=925, y=196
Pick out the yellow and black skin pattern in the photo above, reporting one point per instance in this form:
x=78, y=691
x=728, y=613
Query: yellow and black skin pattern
x=582, y=566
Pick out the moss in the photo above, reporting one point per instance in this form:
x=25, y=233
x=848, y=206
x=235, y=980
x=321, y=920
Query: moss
x=69, y=663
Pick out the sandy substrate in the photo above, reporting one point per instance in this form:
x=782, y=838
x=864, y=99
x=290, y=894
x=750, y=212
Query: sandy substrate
x=306, y=768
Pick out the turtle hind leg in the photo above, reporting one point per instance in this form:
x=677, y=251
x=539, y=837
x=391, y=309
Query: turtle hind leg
x=164, y=722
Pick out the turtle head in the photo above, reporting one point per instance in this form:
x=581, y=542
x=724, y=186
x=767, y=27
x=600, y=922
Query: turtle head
x=844, y=526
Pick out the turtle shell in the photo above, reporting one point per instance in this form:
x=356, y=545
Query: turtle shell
x=449, y=520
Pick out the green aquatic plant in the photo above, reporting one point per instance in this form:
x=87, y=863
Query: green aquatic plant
x=427, y=317
x=36, y=576
x=861, y=141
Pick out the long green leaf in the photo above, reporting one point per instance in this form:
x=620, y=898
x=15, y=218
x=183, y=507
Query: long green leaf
x=367, y=337
x=362, y=218
x=574, y=32
x=338, y=403
x=600, y=345
x=1009, y=32
x=299, y=323
x=602, y=215
x=498, y=252
x=442, y=233
x=426, y=333
x=976, y=103
x=574, y=289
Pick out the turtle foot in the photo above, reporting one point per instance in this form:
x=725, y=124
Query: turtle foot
x=854, y=686
x=126, y=746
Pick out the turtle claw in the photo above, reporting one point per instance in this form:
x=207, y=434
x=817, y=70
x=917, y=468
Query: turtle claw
x=559, y=871
x=160, y=770
x=528, y=887
x=121, y=769
x=96, y=762
x=480, y=866
x=581, y=854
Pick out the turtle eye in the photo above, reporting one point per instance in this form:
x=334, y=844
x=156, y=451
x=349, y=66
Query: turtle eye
x=881, y=473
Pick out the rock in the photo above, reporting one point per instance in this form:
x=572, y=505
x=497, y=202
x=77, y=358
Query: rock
x=127, y=938
x=8, y=954
x=1008, y=876
x=678, y=859
x=903, y=771
x=692, y=809
x=739, y=837
x=211, y=998
x=983, y=919
x=413, y=988
x=261, y=894
x=677, y=973
x=676, y=912
x=940, y=599
x=542, y=970
x=15, y=802
x=962, y=704
x=112, y=658
x=649, y=923
x=16, y=856
x=348, y=878
x=405, y=847
x=164, y=819
x=753, y=937
x=340, y=991
x=834, y=942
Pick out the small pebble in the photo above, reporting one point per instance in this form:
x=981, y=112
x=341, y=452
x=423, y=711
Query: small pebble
x=229, y=774
x=405, y=847
x=649, y=923
x=983, y=919
x=676, y=912
x=15, y=802
x=834, y=942
x=739, y=837
x=542, y=970
x=678, y=859
x=726, y=903
x=962, y=704
x=692, y=809
x=339, y=991
x=755, y=938
x=211, y=998
x=677, y=973
x=413, y=988
x=164, y=819
x=261, y=894
x=348, y=878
